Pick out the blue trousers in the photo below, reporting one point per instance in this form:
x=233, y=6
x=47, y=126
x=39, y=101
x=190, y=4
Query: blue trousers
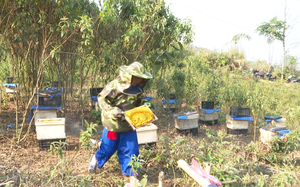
x=126, y=145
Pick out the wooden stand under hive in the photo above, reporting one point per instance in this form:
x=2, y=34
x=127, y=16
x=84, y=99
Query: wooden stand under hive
x=187, y=132
x=46, y=144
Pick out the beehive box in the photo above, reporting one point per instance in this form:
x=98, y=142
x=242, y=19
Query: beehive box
x=140, y=116
x=53, y=128
x=277, y=121
x=54, y=101
x=9, y=80
x=45, y=114
x=95, y=91
x=236, y=124
x=10, y=90
x=170, y=105
x=208, y=104
x=239, y=111
x=280, y=123
x=147, y=134
x=56, y=84
x=190, y=122
x=267, y=134
x=203, y=116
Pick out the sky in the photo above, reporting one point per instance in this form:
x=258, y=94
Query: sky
x=215, y=23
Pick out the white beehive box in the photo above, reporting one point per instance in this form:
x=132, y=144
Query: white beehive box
x=236, y=124
x=280, y=123
x=190, y=123
x=10, y=90
x=203, y=116
x=50, y=128
x=45, y=114
x=267, y=136
x=147, y=134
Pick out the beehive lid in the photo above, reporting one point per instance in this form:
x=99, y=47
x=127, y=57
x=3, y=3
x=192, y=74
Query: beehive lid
x=272, y=117
x=140, y=116
x=187, y=115
x=244, y=118
x=51, y=121
x=274, y=129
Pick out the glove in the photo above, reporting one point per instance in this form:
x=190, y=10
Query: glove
x=117, y=112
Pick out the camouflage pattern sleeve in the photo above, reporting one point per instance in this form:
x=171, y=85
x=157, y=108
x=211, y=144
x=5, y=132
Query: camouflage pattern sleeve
x=106, y=101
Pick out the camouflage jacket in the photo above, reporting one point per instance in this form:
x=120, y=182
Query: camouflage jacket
x=115, y=97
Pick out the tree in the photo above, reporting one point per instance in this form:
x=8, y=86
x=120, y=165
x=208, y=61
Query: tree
x=236, y=38
x=274, y=30
x=291, y=64
x=139, y=31
x=73, y=41
x=33, y=32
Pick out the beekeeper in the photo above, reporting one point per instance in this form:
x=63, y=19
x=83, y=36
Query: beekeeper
x=121, y=94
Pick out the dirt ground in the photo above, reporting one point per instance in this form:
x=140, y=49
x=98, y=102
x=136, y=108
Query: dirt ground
x=27, y=156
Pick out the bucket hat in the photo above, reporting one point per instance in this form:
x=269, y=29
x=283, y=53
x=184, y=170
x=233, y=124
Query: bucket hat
x=136, y=69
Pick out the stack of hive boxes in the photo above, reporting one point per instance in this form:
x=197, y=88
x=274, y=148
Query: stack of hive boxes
x=10, y=86
x=275, y=128
x=208, y=114
x=49, y=128
x=187, y=123
x=93, y=102
x=170, y=103
x=238, y=120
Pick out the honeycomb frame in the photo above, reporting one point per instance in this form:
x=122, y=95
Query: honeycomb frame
x=140, y=116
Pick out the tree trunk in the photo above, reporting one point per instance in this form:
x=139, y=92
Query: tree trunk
x=0, y=100
x=283, y=41
x=254, y=128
